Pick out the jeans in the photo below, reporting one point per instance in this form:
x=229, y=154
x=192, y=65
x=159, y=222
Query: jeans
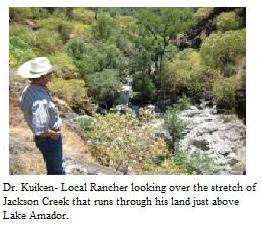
x=52, y=153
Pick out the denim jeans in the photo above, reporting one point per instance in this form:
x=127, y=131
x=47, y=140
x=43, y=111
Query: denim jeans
x=52, y=153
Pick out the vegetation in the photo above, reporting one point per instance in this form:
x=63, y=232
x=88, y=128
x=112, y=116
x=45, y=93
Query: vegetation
x=122, y=141
x=96, y=49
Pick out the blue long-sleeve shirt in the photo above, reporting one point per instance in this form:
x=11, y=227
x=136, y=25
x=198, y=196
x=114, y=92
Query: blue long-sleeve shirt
x=39, y=111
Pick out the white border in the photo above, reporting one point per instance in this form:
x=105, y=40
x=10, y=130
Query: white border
x=162, y=221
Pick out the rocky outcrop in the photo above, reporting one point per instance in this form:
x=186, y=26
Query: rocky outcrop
x=218, y=136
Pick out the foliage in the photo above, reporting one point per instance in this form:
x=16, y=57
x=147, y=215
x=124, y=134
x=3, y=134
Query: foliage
x=228, y=21
x=184, y=75
x=122, y=141
x=174, y=125
x=86, y=123
x=47, y=44
x=21, y=40
x=83, y=14
x=164, y=167
x=145, y=87
x=157, y=27
x=194, y=163
x=72, y=91
x=63, y=62
x=94, y=57
x=104, y=27
x=221, y=49
x=203, y=13
x=225, y=91
x=183, y=103
x=104, y=86
x=19, y=13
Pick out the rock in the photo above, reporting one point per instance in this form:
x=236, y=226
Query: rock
x=220, y=137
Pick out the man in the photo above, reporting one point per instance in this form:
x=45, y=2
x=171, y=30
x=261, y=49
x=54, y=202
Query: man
x=41, y=114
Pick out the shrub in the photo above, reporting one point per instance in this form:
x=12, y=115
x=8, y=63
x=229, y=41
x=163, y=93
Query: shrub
x=145, y=87
x=183, y=74
x=82, y=14
x=203, y=13
x=47, y=44
x=122, y=141
x=183, y=103
x=104, y=86
x=21, y=41
x=104, y=27
x=195, y=163
x=94, y=57
x=221, y=49
x=65, y=65
x=86, y=123
x=225, y=91
x=174, y=125
x=165, y=167
x=228, y=21
x=72, y=91
x=18, y=13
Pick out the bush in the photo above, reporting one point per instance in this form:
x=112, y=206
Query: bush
x=21, y=41
x=73, y=92
x=46, y=44
x=174, y=125
x=104, y=27
x=165, y=167
x=122, y=141
x=228, y=21
x=104, y=86
x=203, y=13
x=65, y=65
x=83, y=14
x=183, y=103
x=94, y=57
x=221, y=49
x=183, y=74
x=145, y=87
x=195, y=163
x=225, y=91
x=86, y=123
x=18, y=13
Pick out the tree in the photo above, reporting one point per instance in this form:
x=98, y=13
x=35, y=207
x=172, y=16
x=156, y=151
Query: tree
x=94, y=57
x=159, y=26
x=104, y=86
x=221, y=50
x=228, y=21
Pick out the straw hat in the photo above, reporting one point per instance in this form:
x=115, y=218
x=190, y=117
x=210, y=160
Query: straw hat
x=35, y=68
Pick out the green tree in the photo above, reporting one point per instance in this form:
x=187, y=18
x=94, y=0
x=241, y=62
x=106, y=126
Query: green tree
x=104, y=86
x=228, y=21
x=94, y=57
x=158, y=27
x=221, y=50
x=104, y=27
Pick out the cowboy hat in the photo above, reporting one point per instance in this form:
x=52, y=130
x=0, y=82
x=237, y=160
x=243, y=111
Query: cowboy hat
x=35, y=68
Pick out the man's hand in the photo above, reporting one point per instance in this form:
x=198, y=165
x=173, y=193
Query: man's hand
x=52, y=134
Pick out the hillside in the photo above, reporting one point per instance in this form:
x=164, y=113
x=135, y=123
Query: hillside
x=140, y=90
